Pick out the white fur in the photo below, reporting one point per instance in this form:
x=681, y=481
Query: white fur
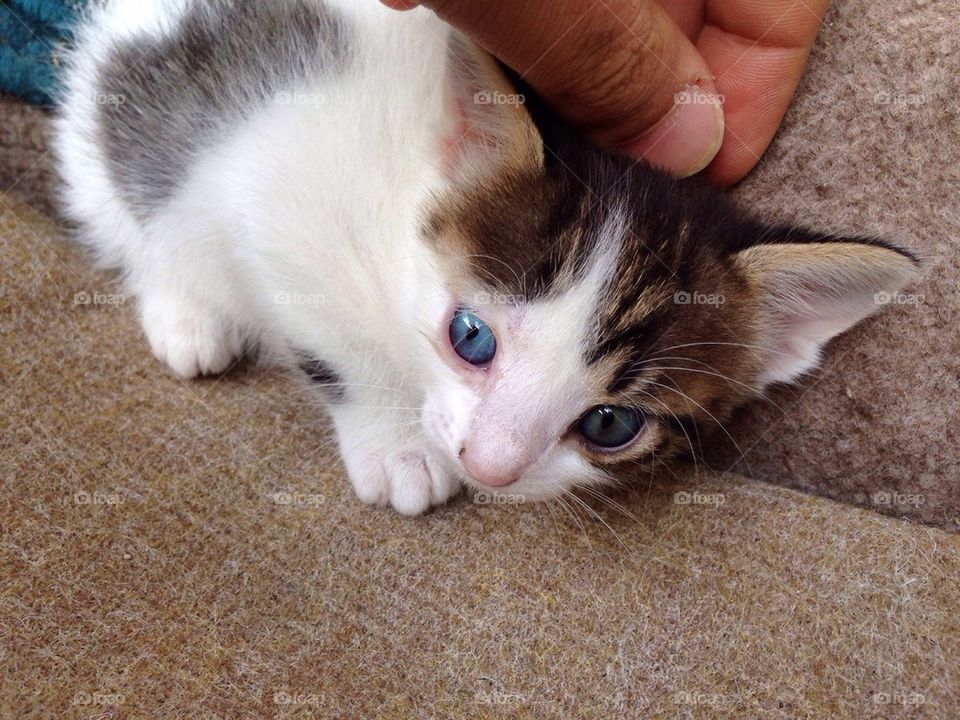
x=318, y=203
x=298, y=231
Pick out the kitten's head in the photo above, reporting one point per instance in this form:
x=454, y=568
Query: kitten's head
x=602, y=315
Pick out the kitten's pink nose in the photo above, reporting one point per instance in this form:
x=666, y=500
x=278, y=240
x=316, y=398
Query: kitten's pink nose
x=493, y=467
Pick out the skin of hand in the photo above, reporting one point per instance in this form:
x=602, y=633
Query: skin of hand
x=689, y=85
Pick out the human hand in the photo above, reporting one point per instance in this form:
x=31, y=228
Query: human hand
x=689, y=85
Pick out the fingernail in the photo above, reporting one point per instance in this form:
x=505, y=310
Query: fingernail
x=688, y=137
x=401, y=4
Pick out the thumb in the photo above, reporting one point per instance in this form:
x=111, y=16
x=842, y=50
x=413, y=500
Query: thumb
x=619, y=70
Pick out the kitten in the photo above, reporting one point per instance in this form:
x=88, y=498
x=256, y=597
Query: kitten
x=482, y=297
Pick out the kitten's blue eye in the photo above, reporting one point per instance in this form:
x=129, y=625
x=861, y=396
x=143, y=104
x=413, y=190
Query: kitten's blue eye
x=472, y=338
x=609, y=426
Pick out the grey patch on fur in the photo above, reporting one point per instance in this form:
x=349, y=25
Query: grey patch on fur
x=222, y=61
x=322, y=375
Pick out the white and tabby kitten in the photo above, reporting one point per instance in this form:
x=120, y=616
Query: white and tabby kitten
x=482, y=297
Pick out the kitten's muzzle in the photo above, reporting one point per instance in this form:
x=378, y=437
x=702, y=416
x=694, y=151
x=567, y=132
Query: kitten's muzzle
x=498, y=458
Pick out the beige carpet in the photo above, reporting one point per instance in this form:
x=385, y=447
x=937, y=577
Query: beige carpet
x=192, y=550
x=872, y=144
x=26, y=168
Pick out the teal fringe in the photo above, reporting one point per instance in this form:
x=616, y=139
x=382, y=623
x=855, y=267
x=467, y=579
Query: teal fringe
x=33, y=37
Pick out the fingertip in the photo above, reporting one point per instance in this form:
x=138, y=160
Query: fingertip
x=725, y=171
x=401, y=4
x=687, y=139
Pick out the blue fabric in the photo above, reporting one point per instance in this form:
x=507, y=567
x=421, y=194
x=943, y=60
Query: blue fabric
x=33, y=35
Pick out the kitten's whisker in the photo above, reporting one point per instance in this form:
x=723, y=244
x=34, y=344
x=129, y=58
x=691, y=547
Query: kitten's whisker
x=561, y=499
x=610, y=502
x=560, y=504
x=517, y=277
x=712, y=417
x=377, y=407
x=759, y=393
x=653, y=470
x=391, y=426
x=693, y=453
x=643, y=367
x=359, y=385
x=696, y=430
x=764, y=348
x=482, y=272
x=597, y=515
x=553, y=516
x=309, y=399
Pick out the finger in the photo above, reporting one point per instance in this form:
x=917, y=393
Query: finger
x=686, y=14
x=401, y=4
x=615, y=69
x=758, y=50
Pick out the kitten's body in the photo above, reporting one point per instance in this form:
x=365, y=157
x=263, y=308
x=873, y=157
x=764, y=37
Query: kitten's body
x=299, y=178
x=314, y=178
x=295, y=225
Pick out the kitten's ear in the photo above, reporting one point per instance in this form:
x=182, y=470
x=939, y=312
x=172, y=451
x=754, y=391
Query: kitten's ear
x=809, y=292
x=489, y=128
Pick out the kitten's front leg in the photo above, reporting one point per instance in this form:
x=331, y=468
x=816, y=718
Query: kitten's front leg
x=188, y=296
x=386, y=457
x=187, y=335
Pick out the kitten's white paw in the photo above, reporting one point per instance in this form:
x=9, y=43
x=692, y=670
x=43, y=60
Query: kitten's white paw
x=408, y=479
x=190, y=340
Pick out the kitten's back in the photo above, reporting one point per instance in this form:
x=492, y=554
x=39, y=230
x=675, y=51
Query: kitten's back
x=155, y=85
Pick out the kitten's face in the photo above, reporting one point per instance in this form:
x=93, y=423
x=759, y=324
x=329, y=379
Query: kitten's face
x=602, y=315
x=571, y=351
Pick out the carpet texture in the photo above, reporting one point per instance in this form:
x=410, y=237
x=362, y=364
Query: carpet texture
x=26, y=166
x=33, y=36
x=192, y=550
x=872, y=144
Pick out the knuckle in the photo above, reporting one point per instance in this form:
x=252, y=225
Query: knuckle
x=623, y=67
